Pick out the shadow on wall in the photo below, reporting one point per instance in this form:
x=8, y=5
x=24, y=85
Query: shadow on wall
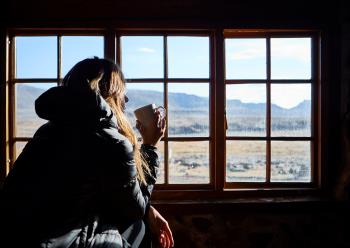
x=342, y=191
x=259, y=230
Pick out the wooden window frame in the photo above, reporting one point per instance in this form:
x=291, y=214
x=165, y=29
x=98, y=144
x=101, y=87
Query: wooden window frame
x=218, y=188
x=13, y=81
x=165, y=80
x=315, y=108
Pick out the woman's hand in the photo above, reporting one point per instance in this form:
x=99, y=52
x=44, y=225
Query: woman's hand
x=159, y=228
x=153, y=135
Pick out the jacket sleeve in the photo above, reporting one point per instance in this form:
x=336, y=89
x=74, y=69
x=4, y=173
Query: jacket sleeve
x=121, y=188
x=151, y=156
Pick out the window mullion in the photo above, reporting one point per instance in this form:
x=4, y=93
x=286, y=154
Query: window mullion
x=268, y=110
x=118, y=55
x=4, y=155
x=165, y=98
x=315, y=112
x=59, y=58
x=220, y=135
x=110, y=45
x=12, y=101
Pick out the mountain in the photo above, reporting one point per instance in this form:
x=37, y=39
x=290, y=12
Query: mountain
x=176, y=102
x=27, y=95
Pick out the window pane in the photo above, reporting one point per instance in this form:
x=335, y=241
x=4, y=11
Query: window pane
x=245, y=161
x=245, y=58
x=189, y=162
x=141, y=94
x=290, y=161
x=19, y=148
x=27, y=121
x=77, y=48
x=290, y=58
x=188, y=57
x=291, y=110
x=188, y=109
x=36, y=57
x=142, y=56
x=160, y=178
x=246, y=109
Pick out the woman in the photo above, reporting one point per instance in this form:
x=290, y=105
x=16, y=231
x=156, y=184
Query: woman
x=83, y=181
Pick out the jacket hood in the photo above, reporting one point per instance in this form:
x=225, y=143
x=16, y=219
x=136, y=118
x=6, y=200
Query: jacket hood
x=67, y=105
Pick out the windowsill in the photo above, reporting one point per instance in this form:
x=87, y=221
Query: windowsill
x=305, y=203
x=256, y=200
x=243, y=195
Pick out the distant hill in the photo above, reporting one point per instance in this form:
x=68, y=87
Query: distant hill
x=27, y=95
x=177, y=102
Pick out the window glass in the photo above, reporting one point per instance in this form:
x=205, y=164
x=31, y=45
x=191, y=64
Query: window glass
x=141, y=94
x=290, y=161
x=27, y=121
x=160, y=177
x=189, y=162
x=188, y=57
x=246, y=109
x=291, y=110
x=245, y=161
x=77, y=48
x=36, y=57
x=245, y=58
x=290, y=58
x=19, y=148
x=188, y=109
x=142, y=56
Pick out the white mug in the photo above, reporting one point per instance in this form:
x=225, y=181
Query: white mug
x=146, y=114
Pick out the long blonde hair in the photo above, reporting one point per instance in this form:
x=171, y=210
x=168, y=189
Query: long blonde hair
x=106, y=78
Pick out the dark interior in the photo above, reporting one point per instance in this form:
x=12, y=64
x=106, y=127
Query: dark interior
x=314, y=219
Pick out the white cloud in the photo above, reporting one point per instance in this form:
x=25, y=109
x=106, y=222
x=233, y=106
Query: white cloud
x=292, y=48
x=146, y=50
x=249, y=53
x=244, y=49
x=289, y=48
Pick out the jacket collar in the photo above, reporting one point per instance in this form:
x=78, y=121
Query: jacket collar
x=63, y=104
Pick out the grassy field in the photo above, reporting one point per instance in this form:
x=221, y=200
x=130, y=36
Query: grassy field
x=245, y=160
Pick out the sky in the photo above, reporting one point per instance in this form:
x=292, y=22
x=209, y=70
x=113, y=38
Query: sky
x=188, y=57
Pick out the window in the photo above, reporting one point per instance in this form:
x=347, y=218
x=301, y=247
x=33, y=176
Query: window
x=242, y=105
x=173, y=71
x=39, y=63
x=269, y=100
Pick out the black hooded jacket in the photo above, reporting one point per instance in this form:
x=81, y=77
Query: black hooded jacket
x=76, y=166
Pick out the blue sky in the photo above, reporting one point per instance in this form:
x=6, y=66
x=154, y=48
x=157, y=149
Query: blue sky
x=188, y=57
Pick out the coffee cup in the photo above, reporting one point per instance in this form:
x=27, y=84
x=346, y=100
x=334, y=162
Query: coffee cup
x=146, y=115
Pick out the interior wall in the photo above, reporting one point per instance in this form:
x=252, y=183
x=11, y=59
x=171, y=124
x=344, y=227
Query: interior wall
x=288, y=225
x=252, y=13
x=342, y=190
x=3, y=110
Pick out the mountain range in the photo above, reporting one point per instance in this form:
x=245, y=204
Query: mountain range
x=177, y=102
